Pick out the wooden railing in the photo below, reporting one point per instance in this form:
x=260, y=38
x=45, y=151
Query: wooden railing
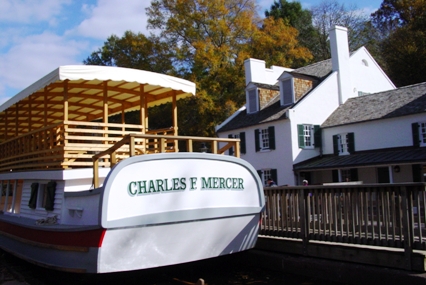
x=157, y=144
x=73, y=144
x=383, y=215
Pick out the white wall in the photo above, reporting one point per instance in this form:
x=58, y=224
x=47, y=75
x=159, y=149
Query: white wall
x=314, y=109
x=385, y=133
x=256, y=71
x=369, y=79
x=279, y=159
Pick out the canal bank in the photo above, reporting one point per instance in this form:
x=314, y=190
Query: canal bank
x=331, y=270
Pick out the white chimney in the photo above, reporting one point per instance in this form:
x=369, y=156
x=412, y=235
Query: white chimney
x=340, y=61
x=256, y=71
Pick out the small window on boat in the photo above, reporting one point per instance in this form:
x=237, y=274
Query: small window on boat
x=10, y=196
x=42, y=196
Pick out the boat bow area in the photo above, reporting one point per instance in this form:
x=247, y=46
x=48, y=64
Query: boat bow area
x=84, y=190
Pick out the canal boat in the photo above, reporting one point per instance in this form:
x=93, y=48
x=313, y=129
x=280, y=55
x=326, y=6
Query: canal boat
x=85, y=190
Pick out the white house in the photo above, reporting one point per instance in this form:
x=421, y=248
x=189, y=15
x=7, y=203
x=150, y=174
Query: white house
x=280, y=125
x=374, y=138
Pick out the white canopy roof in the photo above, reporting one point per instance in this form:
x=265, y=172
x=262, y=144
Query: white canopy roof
x=124, y=78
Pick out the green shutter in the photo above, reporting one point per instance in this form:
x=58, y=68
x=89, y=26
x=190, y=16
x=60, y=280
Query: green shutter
x=231, y=150
x=271, y=136
x=335, y=175
x=335, y=145
x=354, y=174
x=417, y=173
x=243, y=142
x=301, y=136
x=259, y=172
x=50, y=195
x=33, y=198
x=416, y=134
x=274, y=175
x=351, y=142
x=317, y=136
x=256, y=140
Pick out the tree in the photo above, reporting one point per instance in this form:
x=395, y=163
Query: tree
x=330, y=13
x=211, y=40
x=293, y=15
x=401, y=26
x=277, y=44
x=134, y=51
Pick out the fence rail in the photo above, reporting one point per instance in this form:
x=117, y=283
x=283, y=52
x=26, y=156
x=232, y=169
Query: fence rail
x=384, y=215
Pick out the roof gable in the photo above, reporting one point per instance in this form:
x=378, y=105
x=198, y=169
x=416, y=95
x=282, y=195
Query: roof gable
x=388, y=104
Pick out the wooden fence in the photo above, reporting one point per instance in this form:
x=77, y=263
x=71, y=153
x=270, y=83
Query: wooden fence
x=381, y=215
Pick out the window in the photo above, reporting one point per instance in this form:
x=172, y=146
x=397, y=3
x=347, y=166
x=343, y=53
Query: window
x=345, y=175
x=42, y=195
x=419, y=134
x=266, y=174
x=252, y=101
x=344, y=144
x=309, y=136
x=287, y=91
x=264, y=139
x=242, y=137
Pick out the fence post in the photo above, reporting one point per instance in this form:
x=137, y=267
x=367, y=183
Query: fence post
x=407, y=226
x=304, y=219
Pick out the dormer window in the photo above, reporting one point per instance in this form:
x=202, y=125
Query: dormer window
x=287, y=92
x=253, y=100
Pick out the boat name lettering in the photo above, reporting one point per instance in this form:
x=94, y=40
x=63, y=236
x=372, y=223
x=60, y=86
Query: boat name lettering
x=181, y=184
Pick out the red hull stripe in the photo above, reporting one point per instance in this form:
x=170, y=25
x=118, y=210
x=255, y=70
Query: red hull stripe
x=79, y=238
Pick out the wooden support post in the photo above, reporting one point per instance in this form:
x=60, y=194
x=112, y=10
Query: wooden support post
x=189, y=145
x=132, y=145
x=237, y=148
x=304, y=219
x=162, y=145
x=96, y=173
x=407, y=226
x=105, y=111
x=214, y=147
x=175, y=121
x=113, y=158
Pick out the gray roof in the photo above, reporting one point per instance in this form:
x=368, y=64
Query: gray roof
x=319, y=69
x=388, y=104
x=404, y=155
x=273, y=110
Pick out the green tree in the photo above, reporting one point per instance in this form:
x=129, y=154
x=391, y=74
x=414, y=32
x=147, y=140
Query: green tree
x=134, y=51
x=211, y=40
x=294, y=15
x=402, y=33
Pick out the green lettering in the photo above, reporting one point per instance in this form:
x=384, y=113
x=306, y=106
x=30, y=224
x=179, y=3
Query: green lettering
x=175, y=183
x=193, y=182
x=205, y=183
x=151, y=187
x=215, y=182
x=234, y=183
x=241, y=186
x=222, y=183
x=160, y=185
x=183, y=183
x=228, y=183
x=132, y=188
x=142, y=187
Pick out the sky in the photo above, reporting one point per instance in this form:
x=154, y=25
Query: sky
x=38, y=36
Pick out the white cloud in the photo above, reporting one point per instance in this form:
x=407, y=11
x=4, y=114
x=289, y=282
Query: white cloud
x=34, y=57
x=30, y=11
x=112, y=17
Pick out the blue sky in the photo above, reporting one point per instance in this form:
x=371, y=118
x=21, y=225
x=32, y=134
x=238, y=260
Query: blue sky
x=37, y=36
